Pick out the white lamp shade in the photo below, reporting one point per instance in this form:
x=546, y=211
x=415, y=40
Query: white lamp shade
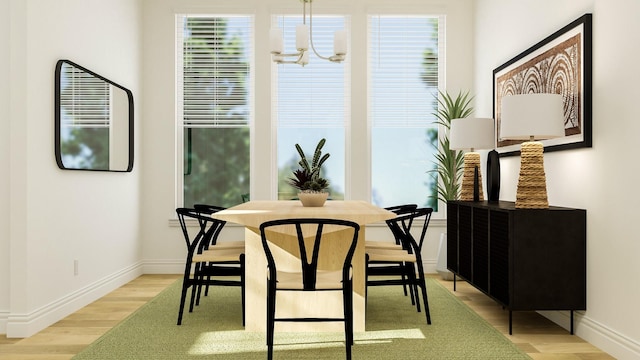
x=275, y=39
x=472, y=133
x=524, y=116
x=340, y=42
x=302, y=37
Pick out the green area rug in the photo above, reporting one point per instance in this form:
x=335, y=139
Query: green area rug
x=394, y=330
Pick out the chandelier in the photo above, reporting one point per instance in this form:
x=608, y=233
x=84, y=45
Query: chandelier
x=304, y=38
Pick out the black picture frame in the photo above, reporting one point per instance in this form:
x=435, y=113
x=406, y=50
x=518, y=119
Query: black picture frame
x=562, y=64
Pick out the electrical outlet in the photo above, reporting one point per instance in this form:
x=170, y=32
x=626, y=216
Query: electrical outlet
x=75, y=267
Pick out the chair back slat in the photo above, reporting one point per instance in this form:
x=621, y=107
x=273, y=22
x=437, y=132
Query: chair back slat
x=401, y=229
x=188, y=213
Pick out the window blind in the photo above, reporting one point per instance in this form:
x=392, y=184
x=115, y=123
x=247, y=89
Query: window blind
x=216, y=62
x=403, y=70
x=84, y=99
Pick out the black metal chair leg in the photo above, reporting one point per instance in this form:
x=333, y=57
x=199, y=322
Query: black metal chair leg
x=185, y=287
x=271, y=312
x=410, y=273
x=425, y=299
x=242, y=285
x=194, y=287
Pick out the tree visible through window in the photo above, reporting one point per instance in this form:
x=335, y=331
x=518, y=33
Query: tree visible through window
x=216, y=98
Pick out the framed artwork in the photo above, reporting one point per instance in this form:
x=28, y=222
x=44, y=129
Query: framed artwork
x=560, y=64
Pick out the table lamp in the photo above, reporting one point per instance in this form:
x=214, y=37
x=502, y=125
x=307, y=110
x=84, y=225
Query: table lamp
x=532, y=117
x=471, y=134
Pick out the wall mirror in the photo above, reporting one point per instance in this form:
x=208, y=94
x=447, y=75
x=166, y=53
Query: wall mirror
x=93, y=121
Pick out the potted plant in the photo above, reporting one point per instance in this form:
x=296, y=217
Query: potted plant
x=307, y=178
x=449, y=164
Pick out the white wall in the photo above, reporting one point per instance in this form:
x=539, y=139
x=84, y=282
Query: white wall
x=4, y=161
x=59, y=216
x=163, y=245
x=601, y=179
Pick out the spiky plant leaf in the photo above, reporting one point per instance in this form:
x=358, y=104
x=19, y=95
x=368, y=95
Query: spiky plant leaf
x=308, y=177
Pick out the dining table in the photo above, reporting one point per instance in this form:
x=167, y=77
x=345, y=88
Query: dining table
x=253, y=213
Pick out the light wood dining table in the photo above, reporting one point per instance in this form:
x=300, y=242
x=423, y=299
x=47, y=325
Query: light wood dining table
x=253, y=213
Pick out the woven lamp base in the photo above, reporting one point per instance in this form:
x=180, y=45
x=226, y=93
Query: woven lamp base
x=471, y=160
x=532, y=183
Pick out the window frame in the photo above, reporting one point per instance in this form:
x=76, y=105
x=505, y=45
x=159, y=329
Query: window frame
x=179, y=93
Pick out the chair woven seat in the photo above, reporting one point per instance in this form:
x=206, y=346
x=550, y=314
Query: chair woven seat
x=215, y=254
x=390, y=255
x=325, y=280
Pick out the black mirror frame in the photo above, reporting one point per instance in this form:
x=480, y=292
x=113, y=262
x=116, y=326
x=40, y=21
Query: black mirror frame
x=57, y=94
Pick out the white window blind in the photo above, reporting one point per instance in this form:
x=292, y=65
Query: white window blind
x=215, y=68
x=403, y=69
x=84, y=99
x=403, y=63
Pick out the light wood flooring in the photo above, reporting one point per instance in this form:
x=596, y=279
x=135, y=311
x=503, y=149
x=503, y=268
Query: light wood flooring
x=534, y=334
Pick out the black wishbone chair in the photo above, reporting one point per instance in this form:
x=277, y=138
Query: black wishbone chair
x=386, y=268
x=309, y=277
x=211, y=240
x=211, y=265
x=410, y=255
x=398, y=210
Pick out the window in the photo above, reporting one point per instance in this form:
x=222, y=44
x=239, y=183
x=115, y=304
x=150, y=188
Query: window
x=215, y=94
x=311, y=103
x=403, y=87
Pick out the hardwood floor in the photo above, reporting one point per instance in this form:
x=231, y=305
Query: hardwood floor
x=534, y=334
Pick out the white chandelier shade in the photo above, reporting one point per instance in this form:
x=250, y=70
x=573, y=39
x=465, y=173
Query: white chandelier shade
x=304, y=40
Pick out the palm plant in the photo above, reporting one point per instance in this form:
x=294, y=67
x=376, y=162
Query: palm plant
x=449, y=162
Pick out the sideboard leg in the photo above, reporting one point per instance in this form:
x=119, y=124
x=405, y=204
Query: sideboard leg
x=454, y=282
x=510, y=322
x=571, y=316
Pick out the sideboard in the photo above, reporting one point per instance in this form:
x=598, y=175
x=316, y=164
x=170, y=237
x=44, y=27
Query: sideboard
x=525, y=259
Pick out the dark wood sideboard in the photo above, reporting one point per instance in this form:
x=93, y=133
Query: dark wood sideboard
x=524, y=259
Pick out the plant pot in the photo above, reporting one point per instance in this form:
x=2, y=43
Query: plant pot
x=441, y=266
x=313, y=199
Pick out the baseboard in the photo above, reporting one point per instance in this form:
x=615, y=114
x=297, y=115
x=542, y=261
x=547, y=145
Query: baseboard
x=25, y=325
x=600, y=336
x=4, y=315
x=163, y=266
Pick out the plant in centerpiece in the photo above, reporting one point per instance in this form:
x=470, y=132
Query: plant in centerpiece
x=307, y=179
